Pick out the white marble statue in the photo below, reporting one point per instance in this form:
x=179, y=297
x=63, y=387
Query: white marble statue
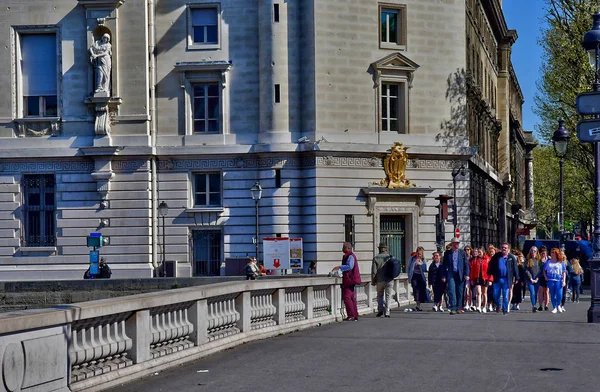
x=101, y=59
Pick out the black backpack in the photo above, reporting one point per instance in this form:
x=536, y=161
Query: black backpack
x=393, y=267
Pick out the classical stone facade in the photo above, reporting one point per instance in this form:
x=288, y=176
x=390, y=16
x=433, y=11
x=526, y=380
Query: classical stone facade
x=205, y=98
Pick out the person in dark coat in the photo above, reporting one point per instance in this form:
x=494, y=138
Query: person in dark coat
x=435, y=281
x=456, y=273
x=503, y=272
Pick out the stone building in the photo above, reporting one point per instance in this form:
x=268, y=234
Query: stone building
x=114, y=106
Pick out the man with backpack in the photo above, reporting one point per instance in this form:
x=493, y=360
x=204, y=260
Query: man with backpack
x=382, y=277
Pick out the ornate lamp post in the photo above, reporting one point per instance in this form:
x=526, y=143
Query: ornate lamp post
x=256, y=192
x=591, y=43
x=163, y=210
x=455, y=172
x=560, y=141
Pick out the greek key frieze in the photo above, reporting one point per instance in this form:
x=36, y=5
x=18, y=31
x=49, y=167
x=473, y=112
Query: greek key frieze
x=130, y=165
x=38, y=167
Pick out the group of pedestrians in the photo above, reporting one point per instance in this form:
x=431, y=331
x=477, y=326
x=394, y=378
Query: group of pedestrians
x=469, y=279
x=487, y=280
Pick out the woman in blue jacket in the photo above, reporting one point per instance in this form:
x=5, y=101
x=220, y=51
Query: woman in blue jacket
x=416, y=276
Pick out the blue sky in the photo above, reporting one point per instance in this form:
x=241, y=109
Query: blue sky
x=526, y=16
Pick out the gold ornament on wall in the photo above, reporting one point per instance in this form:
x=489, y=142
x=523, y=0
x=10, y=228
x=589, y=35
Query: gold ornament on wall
x=394, y=164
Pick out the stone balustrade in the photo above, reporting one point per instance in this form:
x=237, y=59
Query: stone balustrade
x=99, y=344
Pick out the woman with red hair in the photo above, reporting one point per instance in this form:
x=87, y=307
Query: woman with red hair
x=555, y=274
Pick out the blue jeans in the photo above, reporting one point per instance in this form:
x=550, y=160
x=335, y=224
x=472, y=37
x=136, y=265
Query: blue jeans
x=456, y=288
x=501, y=284
x=556, y=291
x=533, y=289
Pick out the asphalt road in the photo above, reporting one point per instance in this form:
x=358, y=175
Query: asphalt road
x=416, y=351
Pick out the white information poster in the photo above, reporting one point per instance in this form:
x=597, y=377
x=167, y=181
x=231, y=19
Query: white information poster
x=295, y=252
x=276, y=253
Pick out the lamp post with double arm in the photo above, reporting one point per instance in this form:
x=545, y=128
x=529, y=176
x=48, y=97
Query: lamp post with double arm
x=591, y=43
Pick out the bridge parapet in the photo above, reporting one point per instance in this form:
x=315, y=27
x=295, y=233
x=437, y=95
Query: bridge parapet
x=99, y=344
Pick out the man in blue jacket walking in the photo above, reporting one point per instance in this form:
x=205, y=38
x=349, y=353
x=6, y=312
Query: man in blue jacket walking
x=455, y=273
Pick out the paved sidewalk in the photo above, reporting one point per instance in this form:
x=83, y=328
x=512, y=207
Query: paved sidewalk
x=414, y=351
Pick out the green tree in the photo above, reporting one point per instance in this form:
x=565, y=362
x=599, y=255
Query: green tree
x=565, y=73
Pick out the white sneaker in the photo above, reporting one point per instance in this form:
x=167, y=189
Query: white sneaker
x=435, y=308
x=485, y=309
x=479, y=309
x=441, y=309
x=517, y=306
x=554, y=310
x=561, y=309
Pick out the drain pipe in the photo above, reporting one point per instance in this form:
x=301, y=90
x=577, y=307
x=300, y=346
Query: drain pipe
x=153, y=118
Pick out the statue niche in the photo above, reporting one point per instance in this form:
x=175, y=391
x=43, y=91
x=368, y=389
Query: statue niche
x=100, y=53
x=101, y=59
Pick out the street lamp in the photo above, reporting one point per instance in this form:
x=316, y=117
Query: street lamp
x=256, y=192
x=455, y=172
x=163, y=210
x=560, y=141
x=591, y=43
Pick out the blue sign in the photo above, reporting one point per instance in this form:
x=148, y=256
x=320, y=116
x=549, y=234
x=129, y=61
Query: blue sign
x=94, y=260
x=95, y=234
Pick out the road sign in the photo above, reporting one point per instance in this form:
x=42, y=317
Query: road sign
x=588, y=131
x=588, y=103
x=457, y=233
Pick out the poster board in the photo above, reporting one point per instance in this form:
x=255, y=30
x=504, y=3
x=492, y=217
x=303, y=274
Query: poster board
x=296, y=253
x=276, y=253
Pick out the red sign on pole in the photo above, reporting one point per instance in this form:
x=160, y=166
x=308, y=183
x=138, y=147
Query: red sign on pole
x=457, y=232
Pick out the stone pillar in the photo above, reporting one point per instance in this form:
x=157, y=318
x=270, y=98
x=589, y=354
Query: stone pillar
x=243, y=306
x=503, y=95
x=277, y=50
x=308, y=299
x=279, y=302
x=198, y=316
x=529, y=180
x=137, y=327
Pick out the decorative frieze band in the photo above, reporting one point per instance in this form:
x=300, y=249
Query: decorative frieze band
x=374, y=162
x=310, y=161
x=232, y=163
x=37, y=167
x=130, y=165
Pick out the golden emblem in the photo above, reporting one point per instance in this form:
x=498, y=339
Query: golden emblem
x=394, y=164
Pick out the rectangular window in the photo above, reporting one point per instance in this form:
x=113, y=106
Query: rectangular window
x=206, y=108
x=276, y=13
x=392, y=26
x=39, y=74
x=277, y=93
x=39, y=207
x=393, y=107
x=205, y=25
x=349, y=229
x=207, y=190
x=277, y=178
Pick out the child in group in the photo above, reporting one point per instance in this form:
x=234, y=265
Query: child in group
x=517, y=292
x=435, y=281
x=532, y=273
x=543, y=292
